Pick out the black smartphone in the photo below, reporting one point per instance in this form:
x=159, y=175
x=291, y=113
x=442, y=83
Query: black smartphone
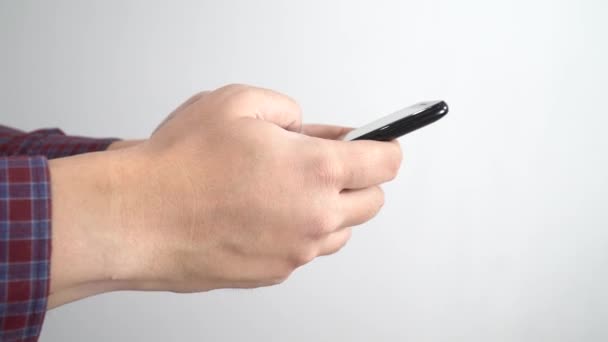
x=401, y=122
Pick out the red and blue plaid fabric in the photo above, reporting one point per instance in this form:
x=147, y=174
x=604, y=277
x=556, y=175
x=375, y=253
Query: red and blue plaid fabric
x=51, y=143
x=25, y=224
x=25, y=243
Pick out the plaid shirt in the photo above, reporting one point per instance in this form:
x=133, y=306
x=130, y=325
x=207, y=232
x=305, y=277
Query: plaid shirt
x=25, y=224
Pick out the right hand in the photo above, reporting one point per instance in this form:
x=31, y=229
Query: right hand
x=229, y=193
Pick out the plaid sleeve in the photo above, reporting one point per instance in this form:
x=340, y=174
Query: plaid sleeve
x=52, y=143
x=25, y=243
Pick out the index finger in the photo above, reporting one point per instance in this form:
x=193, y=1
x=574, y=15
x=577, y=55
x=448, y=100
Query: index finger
x=264, y=104
x=365, y=163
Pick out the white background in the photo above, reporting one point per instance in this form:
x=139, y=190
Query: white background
x=496, y=228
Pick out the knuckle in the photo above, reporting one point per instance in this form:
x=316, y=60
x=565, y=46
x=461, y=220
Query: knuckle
x=277, y=280
x=280, y=276
x=304, y=256
x=346, y=237
x=322, y=224
x=278, y=95
x=290, y=103
x=200, y=94
x=234, y=87
x=236, y=91
x=192, y=99
x=316, y=232
x=246, y=93
x=296, y=106
x=375, y=204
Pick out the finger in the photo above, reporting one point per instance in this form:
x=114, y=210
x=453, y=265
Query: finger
x=325, y=131
x=268, y=105
x=335, y=241
x=363, y=163
x=360, y=206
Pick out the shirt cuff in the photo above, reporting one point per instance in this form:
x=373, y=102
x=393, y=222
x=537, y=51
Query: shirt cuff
x=53, y=143
x=25, y=246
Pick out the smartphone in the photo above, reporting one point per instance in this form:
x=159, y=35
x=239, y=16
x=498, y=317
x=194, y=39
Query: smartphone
x=401, y=122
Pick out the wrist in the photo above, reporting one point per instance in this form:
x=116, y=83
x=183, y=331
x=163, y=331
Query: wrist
x=88, y=252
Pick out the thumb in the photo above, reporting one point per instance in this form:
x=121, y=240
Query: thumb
x=325, y=131
x=265, y=104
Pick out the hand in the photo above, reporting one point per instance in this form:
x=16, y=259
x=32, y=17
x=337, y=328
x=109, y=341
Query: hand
x=226, y=194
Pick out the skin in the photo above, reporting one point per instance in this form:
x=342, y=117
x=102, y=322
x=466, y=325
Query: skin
x=230, y=191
